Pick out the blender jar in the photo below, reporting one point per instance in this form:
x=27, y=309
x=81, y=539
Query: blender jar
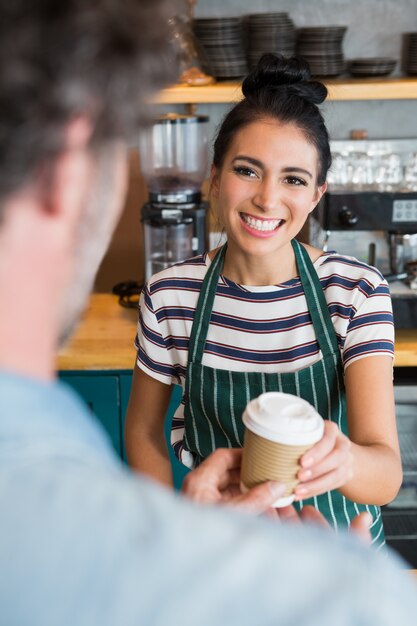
x=174, y=156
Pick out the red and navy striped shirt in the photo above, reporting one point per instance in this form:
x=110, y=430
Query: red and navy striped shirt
x=266, y=329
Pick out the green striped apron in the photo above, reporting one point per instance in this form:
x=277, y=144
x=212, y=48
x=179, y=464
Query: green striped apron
x=215, y=398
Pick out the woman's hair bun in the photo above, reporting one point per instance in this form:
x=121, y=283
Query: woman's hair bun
x=275, y=72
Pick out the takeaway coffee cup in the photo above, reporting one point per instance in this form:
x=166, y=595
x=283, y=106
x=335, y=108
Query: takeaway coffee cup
x=279, y=429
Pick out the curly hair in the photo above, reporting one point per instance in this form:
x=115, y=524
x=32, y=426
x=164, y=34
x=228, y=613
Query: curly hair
x=63, y=58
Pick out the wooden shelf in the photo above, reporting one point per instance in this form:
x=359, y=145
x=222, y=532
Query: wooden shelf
x=212, y=94
x=340, y=89
x=373, y=89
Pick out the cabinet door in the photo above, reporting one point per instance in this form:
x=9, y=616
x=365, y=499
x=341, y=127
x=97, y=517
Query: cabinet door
x=101, y=394
x=178, y=469
x=125, y=385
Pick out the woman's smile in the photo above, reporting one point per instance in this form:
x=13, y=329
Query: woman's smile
x=259, y=226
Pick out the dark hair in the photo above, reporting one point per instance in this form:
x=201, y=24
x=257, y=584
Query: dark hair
x=279, y=88
x=63, y=58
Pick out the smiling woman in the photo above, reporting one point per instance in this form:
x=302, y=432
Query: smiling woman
x=265, y=189
x=265, y=313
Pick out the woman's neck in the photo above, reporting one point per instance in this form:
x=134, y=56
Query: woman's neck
x=257, y=270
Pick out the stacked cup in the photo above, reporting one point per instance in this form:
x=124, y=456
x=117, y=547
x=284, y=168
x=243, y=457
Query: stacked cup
x=410, y=53
x=222, y=41
x=269, y=32
x=279, y=429
x=321, y=46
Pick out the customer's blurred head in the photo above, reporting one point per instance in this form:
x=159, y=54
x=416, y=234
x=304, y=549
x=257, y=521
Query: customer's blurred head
x=75, y=76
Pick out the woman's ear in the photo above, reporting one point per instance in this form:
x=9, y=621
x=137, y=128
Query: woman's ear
x=214, y=181
x=320, y=191
x=213, y=197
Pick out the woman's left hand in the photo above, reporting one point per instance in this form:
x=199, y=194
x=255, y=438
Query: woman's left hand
x=327, y=465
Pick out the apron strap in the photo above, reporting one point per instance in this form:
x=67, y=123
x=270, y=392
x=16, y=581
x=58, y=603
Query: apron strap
x=201, y=321
x=316, y=302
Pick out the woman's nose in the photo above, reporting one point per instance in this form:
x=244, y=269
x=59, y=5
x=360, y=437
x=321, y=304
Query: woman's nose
x=267, y=195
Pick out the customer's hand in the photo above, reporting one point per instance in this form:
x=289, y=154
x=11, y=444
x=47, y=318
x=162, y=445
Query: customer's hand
x=360, y=525
x=217, y=481
x=327, y=465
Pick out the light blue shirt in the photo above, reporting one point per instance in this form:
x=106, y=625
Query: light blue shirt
x=85, y=542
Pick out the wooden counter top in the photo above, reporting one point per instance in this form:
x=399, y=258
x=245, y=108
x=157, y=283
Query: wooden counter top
x=104, y=339
x=406, y=347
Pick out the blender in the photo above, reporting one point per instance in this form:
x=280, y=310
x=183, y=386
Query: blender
x=174, y=155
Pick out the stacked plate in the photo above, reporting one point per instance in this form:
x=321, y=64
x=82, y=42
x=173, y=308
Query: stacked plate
x=221, y=39
x=379, y=66
x=269, y=32
x=410, y=53
x=321, y=46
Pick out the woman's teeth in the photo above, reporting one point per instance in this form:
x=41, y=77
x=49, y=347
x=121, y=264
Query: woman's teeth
x=260, y=224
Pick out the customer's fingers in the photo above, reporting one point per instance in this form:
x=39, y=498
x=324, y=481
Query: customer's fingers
x=260, y=498
x=222, y=460
x=360, y=526
x=288, y=514
x=312, y=516
x=214, y=471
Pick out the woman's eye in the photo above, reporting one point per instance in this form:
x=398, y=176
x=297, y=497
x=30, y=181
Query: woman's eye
x=244, y=171
x=295, y=180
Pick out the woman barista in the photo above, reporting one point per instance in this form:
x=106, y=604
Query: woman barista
x=264, y=313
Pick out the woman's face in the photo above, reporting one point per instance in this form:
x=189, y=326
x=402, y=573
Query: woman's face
x=267, y=186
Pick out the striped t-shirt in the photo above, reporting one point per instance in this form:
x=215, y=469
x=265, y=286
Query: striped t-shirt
x=264, y=329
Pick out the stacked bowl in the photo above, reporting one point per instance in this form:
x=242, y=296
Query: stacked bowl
x=269, y=32
x=378, y=66
x=321, y=46
x=222, y=41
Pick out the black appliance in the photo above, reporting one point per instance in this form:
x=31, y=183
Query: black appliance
x=174, y=163
x=370, y=212
x=395, y=213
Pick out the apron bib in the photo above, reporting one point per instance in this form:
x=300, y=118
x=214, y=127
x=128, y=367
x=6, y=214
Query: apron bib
x=215, y=399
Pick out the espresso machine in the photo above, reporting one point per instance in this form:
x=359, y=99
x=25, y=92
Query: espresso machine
x=174, y=155
x=370, y=212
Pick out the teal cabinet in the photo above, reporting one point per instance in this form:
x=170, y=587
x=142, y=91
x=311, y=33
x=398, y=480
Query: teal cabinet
x=107, y=395
x=125, y=385
x=101, y=393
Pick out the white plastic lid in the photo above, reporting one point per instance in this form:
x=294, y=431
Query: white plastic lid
x=283, y=418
